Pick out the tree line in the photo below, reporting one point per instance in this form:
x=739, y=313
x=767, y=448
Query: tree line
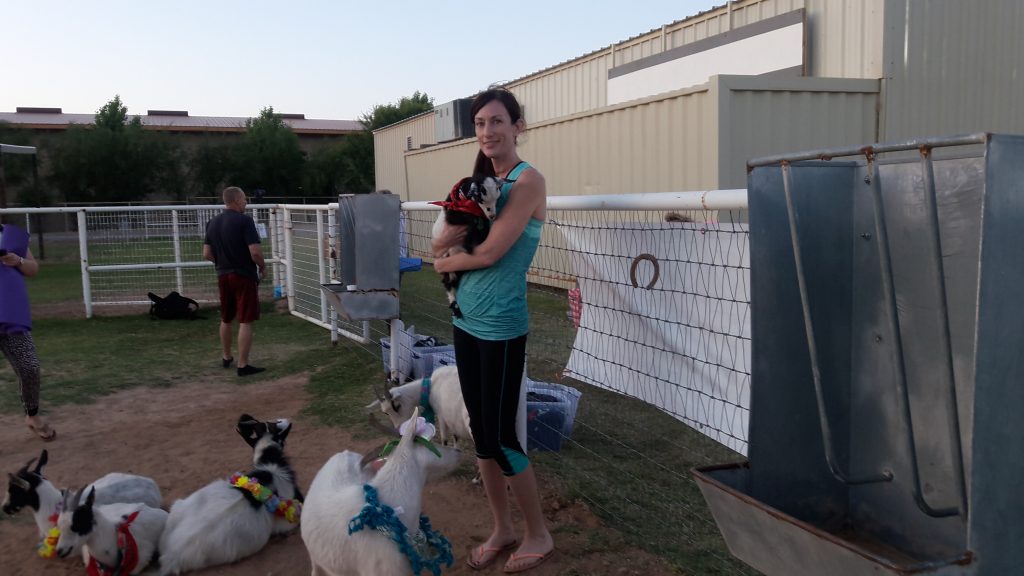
x=117, y=160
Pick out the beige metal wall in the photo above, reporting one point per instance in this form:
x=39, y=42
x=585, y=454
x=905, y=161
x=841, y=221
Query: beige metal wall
x=659, y=144
x=845, y=41
x=763, y=116
x=953, y=67
x=390, y=145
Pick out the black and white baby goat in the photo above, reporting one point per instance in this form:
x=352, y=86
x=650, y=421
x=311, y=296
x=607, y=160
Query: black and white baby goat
x=116, y=538
x=28, y=488
x=230, y=519
x=471, y=203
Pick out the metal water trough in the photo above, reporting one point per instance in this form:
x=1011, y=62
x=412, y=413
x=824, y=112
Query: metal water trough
x=887, y=384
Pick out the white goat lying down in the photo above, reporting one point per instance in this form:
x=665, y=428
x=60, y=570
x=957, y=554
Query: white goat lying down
x=29, y=488
x=443, y=397
x=364, y=524
x=234, y=517
x=117, y=538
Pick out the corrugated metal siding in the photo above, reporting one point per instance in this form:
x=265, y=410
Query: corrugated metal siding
x=658, y=145
x=433, y=172
x=957, y=67
x=765, y=116
x=389, y=148
x=845, y=41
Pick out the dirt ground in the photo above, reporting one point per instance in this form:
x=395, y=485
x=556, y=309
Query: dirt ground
x=183, y=437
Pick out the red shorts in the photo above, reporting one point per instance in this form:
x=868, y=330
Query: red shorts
x=238, y=296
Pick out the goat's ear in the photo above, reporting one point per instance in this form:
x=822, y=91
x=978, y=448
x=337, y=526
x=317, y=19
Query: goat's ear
x=43, y=458
x=373, y=406
x=91, y=498
x=249, y=429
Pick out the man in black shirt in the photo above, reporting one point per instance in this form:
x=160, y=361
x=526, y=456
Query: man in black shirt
x=233, y=245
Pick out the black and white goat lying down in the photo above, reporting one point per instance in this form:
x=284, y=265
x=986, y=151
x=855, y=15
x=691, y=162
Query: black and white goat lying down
x=230, y=519
x=364, y=523
x=116, y=538
x=471, y=203
x=28, y=488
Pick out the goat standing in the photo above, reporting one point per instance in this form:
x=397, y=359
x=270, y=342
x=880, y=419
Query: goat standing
x=228, y=520
x=440, y=393
x=345, y=499
x=471, y=203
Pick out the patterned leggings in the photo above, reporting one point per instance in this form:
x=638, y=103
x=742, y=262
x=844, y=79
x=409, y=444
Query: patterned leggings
x=20, y=351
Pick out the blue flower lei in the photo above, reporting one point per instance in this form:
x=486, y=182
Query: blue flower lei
x=382, y=517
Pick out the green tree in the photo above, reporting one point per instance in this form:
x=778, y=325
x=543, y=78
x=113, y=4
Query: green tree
x=114, y=160
x=387, y=114
x=348, y=167
x=269, y=157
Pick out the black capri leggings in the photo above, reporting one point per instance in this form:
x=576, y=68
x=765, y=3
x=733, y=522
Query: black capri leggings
x=491, y=372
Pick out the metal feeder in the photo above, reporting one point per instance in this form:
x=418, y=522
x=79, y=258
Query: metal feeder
x=369, y=258
x=887, y=405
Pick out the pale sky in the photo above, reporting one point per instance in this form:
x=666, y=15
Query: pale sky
x=324, y=59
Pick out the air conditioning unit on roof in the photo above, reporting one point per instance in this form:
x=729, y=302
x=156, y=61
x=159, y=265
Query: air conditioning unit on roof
x=452, y=120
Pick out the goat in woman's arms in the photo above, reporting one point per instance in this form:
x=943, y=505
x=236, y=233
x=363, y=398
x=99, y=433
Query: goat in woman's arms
x=471, y=203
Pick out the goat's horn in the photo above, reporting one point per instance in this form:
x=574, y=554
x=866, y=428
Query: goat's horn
x=19, y=482
x=374, y=423
x=27, y=466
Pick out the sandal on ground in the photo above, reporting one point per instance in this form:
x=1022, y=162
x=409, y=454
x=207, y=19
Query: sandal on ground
x=534, y=560
x=483, y=556
x=44, y=431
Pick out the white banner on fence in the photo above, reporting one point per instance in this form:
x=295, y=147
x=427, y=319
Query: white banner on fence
x=683, y=344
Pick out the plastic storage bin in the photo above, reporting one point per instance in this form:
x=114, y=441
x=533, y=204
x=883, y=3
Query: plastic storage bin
x=550, y=414
x=422, y=356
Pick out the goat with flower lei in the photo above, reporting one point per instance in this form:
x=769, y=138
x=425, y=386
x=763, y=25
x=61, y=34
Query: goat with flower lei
x=368, y=521
x=383, y=518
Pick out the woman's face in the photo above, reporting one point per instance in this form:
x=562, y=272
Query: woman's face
x=495, y=131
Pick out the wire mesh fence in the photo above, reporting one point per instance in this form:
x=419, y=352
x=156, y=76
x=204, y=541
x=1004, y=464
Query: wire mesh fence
x=639, y=317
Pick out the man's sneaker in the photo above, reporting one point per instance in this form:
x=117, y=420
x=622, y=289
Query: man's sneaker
x=226, y=362
x=248, y=370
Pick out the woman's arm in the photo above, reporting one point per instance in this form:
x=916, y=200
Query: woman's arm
x=527, y=196
x=28, y=265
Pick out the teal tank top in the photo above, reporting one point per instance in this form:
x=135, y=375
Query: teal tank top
x=493, y=300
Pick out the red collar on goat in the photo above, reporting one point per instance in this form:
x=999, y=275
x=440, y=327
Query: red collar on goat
x=127, y=551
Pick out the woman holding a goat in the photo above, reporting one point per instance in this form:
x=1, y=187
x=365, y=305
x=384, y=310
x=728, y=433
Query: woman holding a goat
x=490, y=337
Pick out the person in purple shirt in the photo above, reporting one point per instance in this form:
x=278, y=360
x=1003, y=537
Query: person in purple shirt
x=17, y=263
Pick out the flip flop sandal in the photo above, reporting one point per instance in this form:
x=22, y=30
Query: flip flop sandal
x=45, y=432
x=537, y=560
x=481, y=551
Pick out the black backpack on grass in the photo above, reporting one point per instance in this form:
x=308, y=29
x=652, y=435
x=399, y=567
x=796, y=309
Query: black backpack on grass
x=173, y=307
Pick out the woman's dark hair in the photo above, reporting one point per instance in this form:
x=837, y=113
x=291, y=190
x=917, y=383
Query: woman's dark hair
x=483, y=165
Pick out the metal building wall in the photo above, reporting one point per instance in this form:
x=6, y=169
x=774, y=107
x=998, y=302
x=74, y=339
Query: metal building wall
x=845, y=41
x=390, y=145
x=433, y=171
x=953, y=67
x=762, y=116
x=659, y=144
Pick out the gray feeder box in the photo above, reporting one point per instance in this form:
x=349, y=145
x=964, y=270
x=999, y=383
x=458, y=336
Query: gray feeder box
x=887, y=390
x=368, y=260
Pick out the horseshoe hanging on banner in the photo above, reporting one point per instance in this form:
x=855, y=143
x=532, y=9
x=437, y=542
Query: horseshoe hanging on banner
x=636, y=261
